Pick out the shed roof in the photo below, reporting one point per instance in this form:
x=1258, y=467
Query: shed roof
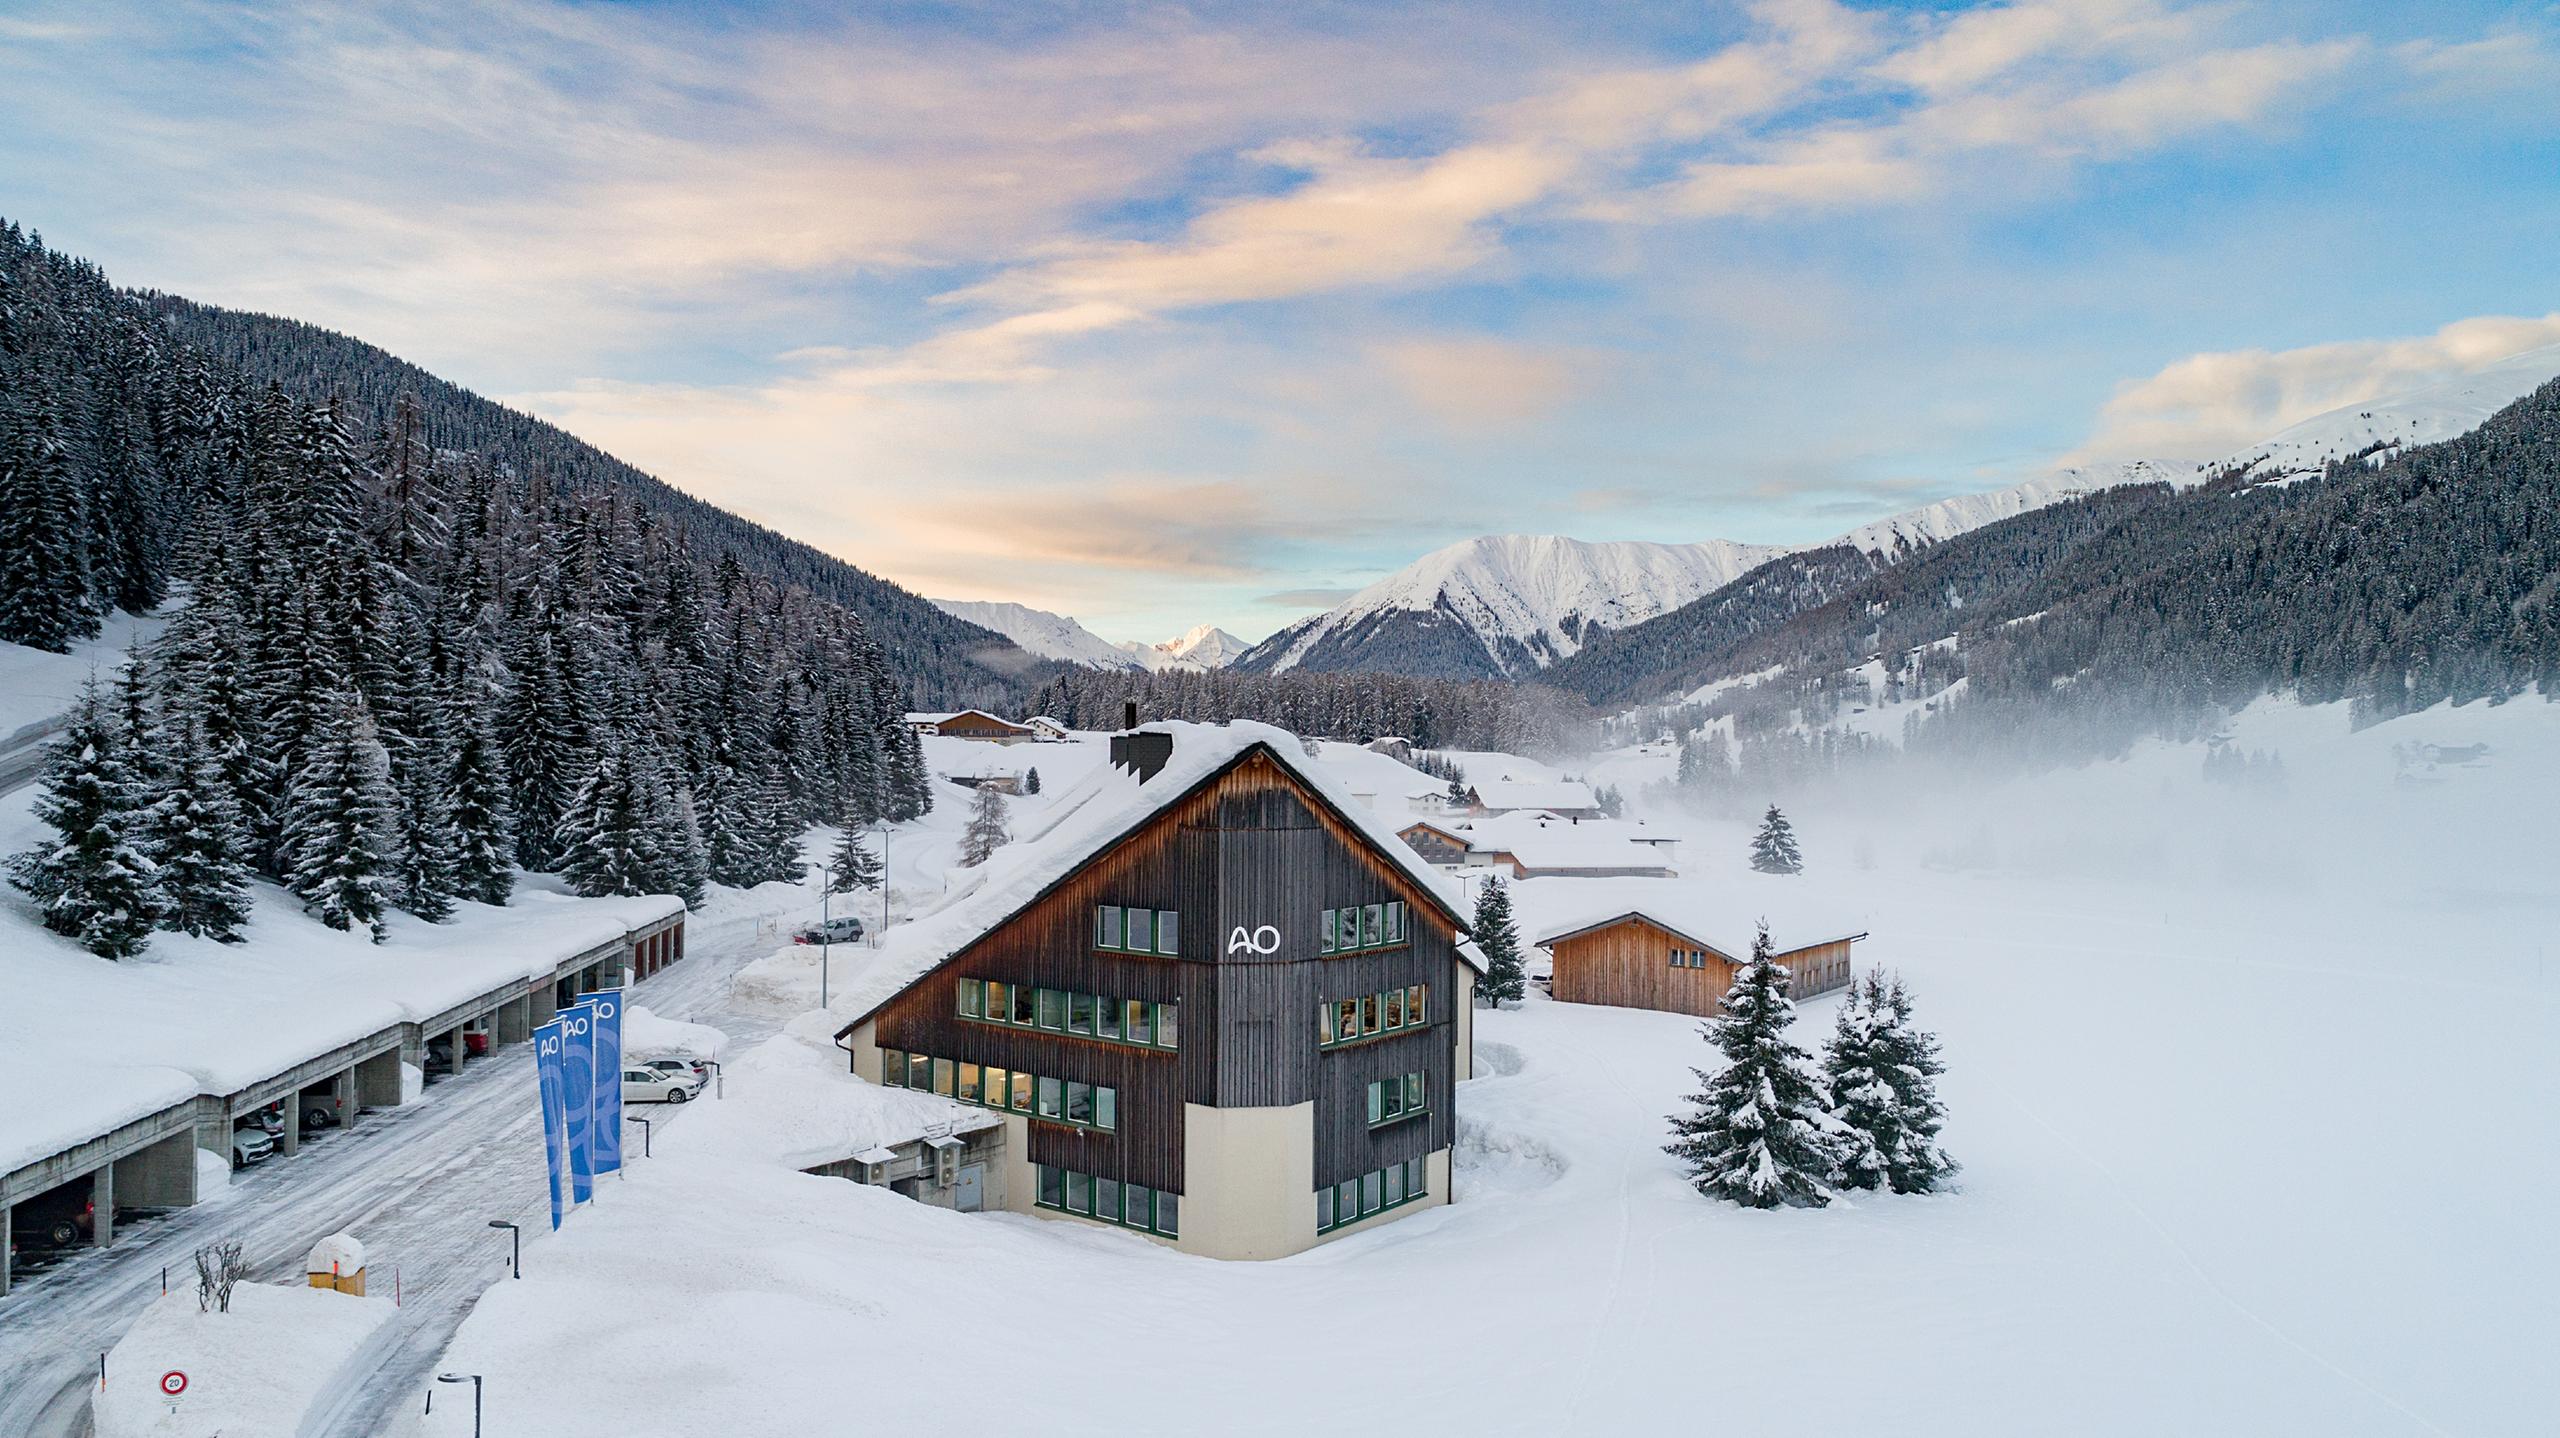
x=1084, y=822
x=1679, y=920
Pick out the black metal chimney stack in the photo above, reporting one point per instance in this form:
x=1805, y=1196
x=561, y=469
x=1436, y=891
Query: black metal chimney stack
x=1129, y=715
x=1141, y=753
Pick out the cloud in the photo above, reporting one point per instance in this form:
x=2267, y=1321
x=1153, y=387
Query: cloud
x=2207, y=405
x=1476, y=382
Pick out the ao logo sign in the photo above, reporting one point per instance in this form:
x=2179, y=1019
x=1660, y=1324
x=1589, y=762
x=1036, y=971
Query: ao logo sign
x=549, y=1045
x=1264, y=940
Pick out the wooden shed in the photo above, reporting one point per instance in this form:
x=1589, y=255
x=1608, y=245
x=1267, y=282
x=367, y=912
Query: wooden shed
x=1636, y=960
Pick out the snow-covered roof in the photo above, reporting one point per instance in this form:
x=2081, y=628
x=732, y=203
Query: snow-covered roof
x=1687, y=918
x=1557, y=794
x=1085, y=820
x=876, y=1154
x=340, y=1252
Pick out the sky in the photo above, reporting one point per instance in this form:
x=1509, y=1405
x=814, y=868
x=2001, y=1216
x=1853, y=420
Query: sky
x=1165, y=314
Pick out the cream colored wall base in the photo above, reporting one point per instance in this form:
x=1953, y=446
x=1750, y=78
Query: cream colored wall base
x=865, y=1043
x=1466, y=1068
x=1249, y=1181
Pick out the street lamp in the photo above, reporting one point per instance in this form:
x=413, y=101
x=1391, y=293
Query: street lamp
x=644, y=1134
x=515, y=1242
x=474, y=1380
x=882, y=827
x=826, y=913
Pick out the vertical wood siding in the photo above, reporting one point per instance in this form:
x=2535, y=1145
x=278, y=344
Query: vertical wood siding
x=1628, y=964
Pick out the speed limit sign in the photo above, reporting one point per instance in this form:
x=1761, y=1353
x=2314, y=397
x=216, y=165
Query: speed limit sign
x=173, y=1382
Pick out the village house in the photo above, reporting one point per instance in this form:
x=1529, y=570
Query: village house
x=1654, y=958
x=973, y=724
x=1537, y=844
x=1214, y=1002
x=1566, y=798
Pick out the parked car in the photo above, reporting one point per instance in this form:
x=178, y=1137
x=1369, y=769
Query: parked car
x=250, y=1145
x=844, y=930
x=270, y=1118
x=475, y=1042
x=51, y=1221
x=691, y=1068
x=319, y=1113
x=648, y=1085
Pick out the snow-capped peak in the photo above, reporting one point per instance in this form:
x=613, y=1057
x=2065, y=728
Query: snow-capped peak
x=2383, y=427
x=1057, y=636
x=1203, y=646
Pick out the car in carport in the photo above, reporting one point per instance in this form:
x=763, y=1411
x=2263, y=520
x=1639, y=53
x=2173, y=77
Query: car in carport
x=58, y=1219
x=250, y=1144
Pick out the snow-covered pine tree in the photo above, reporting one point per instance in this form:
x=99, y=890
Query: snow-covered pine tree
x=1773, y=849
x=1457, y=795
x=44, y=599
x=195, y=834
x=340, y=821
x=94, y=880
x=1031, y=782
x=1758, y=1133
x=910, y=787
x=986, y=832
x=854, y=866
x=484, y=859
x=611, y=848
x=672, y=816
x=1506, y=977
x=1882, y=1074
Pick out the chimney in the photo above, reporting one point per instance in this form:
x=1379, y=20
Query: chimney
x=1141, y=752
x=1129, y=715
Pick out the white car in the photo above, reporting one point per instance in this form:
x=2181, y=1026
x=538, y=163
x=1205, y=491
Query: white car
x=685, y=1067
x=648, y=1085
x=250, y=1145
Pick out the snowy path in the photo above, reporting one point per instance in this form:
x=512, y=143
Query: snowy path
x=418, y=1183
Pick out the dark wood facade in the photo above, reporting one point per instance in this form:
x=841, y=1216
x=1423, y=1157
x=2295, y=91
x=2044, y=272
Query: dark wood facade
x=1250, y=859
x=1626, y=962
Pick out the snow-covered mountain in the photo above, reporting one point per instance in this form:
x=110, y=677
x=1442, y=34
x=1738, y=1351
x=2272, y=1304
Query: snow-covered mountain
x=1037, y=631
x=1892, y=537
x=2383, y=427
x=1058, y=636
x=1201, y=647
x=1503, y=604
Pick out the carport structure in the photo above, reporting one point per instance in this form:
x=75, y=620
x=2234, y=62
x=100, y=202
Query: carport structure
x=149, y=1162
x=346, y=1080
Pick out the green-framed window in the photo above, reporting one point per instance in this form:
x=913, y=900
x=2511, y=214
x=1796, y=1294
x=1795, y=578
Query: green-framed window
x=1132, y=930
x=1354, y=1199
x=1143, y=1022
x=1097, y=1196
x=1364, y=1016
x=893, y=1068
x=1393, y=1100
x=1084, y=1105
x=1355, y=927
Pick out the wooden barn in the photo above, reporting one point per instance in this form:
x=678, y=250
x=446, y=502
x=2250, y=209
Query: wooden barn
x=1215, y=1002
x=1637, y=960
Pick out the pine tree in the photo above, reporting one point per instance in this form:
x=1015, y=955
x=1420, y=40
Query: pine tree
x=1758, y=1133
x=195, y=835
x=1457, y=795
x=1031, y=782
x=1773, y=849
x=986, y=832
x=484, y=861
x=94, y=880
x=854, y=865
x=339, y=821
x=1882, y=1076
x=1505, y=979
x=611, y=847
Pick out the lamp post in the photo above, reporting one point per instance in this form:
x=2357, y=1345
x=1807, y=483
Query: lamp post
x=644, y=1134
x=515, y=1244
x=826, y=912
x=474, y=1380
x=882, y=826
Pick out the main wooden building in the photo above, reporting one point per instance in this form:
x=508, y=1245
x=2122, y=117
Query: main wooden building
x=1213, y=1000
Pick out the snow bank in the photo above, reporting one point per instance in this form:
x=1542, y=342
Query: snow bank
x=280, y=1362
x=647, y=1036
x=36, y=686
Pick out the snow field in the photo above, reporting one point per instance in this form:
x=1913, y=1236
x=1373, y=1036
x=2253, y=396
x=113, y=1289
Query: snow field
x=279, y=1363
x=2252, y=1095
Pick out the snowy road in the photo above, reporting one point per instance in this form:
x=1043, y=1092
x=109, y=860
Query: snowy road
x=419, y=1184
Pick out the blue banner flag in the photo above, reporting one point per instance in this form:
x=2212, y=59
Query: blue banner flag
x=578, y=1066
x=550, y=1055
x=606, y=1118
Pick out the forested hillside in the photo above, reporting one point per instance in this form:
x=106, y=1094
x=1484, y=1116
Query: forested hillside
x=400, y=667
x=1433, y=713
x=946, y=661
x=2397, y=586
